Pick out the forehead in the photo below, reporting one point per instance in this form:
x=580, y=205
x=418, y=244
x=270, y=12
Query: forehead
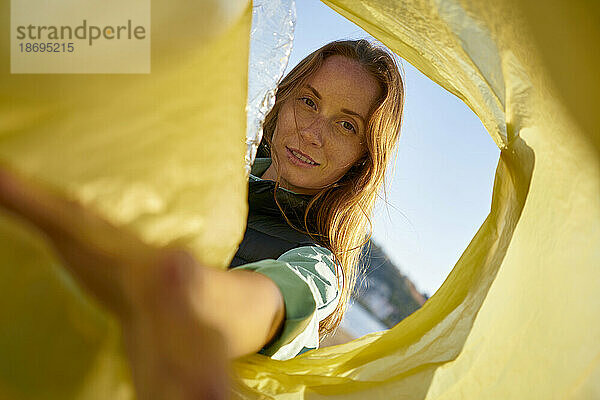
x=344, y=82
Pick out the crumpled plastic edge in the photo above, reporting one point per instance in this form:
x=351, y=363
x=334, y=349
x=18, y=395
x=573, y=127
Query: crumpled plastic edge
x=271, y=39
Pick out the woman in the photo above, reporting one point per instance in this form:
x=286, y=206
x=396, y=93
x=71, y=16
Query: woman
x=332, y=130
x=334, y=125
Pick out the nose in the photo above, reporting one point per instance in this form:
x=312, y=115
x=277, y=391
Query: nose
x=314, y=131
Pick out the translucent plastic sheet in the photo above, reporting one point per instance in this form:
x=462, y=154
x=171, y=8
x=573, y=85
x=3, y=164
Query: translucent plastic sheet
x=516, y=319
x=271, y=39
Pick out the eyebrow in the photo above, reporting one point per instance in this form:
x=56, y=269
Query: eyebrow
x=314, y=91
x=344, y=110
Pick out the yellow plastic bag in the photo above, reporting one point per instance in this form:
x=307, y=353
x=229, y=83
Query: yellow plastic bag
x=516, y=318
x=160, y=153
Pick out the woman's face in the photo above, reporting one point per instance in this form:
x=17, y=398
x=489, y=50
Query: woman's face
x=320, y=131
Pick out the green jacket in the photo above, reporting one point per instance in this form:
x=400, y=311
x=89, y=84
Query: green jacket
x=306, y=276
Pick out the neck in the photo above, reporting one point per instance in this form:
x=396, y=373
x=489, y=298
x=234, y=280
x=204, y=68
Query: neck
x=270, y=173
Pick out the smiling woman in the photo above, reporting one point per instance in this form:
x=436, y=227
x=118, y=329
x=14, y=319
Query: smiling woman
x=331, y=134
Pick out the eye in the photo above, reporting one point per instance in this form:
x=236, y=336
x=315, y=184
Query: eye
x=348, y=126
x=309, y=102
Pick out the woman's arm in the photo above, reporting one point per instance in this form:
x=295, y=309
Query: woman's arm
x=97, y=253
x=151, y=287
x=246, y=307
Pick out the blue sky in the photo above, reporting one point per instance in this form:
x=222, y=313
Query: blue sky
x=441, y=186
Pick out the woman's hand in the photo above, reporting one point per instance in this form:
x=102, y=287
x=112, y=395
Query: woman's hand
x=174, y=354
x=181, y=321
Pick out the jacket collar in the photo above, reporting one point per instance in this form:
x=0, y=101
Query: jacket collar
x=261, y=199
x=259, y=167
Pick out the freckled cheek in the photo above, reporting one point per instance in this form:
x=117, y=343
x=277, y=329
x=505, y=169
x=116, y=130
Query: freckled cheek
x=336, y=168
x=285, y=122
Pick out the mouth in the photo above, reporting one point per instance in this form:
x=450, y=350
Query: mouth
x=299, y=158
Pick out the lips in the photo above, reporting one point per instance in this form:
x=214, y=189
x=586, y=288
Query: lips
x=301, y=157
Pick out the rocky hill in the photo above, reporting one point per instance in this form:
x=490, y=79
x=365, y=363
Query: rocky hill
x=383, y=290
